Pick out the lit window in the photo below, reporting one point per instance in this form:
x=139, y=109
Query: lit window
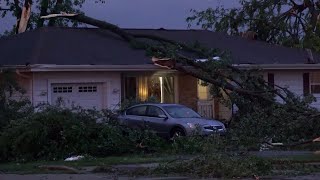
x=315, y=83
x=88, y=89
x=203, y=91
x=62, y=89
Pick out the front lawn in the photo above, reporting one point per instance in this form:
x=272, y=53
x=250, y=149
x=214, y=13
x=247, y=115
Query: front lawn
x=33, y=167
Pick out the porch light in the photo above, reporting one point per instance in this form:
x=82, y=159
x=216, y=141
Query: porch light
x=161, y=89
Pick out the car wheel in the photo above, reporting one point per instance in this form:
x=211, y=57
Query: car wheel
x=176, y=133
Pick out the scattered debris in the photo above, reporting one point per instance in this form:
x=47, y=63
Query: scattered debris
x=74, y=158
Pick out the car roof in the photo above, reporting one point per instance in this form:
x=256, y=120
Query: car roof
x=156, y=104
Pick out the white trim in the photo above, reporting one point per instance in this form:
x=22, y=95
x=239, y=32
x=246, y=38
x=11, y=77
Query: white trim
x=52, y=67
x=176, y=88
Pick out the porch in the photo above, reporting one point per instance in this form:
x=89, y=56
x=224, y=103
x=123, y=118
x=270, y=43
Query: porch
x=173, y=87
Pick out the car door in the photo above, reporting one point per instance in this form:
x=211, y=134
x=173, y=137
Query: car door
x=156, y=123
x=135, y=117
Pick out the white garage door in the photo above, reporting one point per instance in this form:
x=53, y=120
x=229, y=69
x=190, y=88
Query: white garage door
x=86, y=95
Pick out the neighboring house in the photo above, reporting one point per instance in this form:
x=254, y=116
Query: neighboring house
x=94, y=68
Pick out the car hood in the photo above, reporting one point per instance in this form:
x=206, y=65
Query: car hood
x=201, y=121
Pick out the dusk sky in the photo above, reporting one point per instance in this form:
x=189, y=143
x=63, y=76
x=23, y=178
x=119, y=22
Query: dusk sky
x=170, y=14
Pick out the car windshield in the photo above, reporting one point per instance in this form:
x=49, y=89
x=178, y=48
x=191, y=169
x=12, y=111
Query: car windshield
x=181, y=112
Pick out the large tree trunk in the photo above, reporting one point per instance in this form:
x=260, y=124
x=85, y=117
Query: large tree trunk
x=25, y=15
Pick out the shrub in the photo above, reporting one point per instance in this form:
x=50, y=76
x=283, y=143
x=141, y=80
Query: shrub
x=54, y=133
x=287, y=124
x=198, y=144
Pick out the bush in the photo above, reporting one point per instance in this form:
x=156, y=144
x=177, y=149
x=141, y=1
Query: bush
x=289, y=123
x=198, y=144
x=54, y=133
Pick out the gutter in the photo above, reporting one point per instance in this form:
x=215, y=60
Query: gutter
x=147, y=67
x=52, y=67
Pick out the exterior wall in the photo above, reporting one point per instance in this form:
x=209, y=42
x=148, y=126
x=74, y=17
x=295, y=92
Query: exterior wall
x=291, y=79
x=38, y=86
x=187, y=91
x=111, y=84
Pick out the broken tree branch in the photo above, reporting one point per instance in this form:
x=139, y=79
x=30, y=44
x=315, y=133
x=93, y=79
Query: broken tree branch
x=181, y=62
x=25, y=16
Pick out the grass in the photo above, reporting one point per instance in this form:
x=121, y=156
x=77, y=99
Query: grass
x=312, y=158
x=295, y=164
x=33, y=167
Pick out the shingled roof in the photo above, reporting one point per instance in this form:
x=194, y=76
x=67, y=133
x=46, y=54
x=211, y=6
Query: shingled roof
x=91, y=46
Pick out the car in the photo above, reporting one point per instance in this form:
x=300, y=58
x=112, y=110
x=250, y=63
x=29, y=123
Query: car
x=170, y=120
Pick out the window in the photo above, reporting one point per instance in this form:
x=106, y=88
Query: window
x=137, y=111
x=88, y=89
x=203, y=91
x=62, y=89
x=315, y=83
x=154, y=111
x=181, y=112
x=158, y=87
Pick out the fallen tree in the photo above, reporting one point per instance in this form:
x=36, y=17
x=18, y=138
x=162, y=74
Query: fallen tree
x=245, y=88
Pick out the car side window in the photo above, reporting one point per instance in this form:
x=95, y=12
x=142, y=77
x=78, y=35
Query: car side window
x=154, y=111
x=137, y=111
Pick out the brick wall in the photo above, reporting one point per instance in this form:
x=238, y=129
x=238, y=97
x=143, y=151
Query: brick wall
x=188, y=93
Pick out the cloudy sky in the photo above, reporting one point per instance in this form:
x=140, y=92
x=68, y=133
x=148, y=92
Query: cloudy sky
x=170, y=14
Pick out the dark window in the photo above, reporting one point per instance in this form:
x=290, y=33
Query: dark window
x=62, y=89
x=154, y=111
x=88, y=89
x=315, y=89
x=130, y=87
x=137, y=111
x=271, y=79
x=306, y=82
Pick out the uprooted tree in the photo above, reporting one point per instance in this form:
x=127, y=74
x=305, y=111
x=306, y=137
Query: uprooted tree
x=265, y=111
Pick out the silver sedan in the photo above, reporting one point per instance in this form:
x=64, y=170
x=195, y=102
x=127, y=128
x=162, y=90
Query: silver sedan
x=169, y=120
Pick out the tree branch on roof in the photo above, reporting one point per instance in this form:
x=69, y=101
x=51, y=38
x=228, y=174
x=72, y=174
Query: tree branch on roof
x=179, y=61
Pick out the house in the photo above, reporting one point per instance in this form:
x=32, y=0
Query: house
x=94, y=68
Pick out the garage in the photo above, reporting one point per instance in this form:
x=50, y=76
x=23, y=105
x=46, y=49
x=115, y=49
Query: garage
x=86, y=95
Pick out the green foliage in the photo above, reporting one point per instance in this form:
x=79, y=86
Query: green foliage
x=54, y=133
x=270, y=19
x=44, y=7
x=288, y=123
x=11, y=108
x=219, y=166
x=198, y=144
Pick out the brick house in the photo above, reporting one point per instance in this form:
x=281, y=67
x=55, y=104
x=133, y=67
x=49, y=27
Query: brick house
x=94, y=68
